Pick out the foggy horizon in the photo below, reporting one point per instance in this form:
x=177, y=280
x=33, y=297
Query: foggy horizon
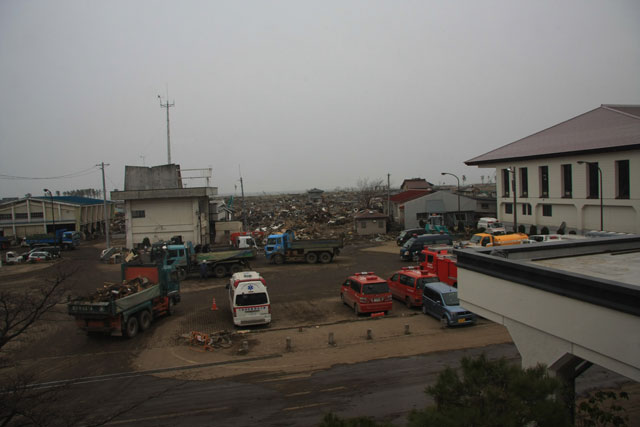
x=296, y=95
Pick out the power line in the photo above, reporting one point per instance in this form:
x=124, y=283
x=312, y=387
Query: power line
x=71, y=175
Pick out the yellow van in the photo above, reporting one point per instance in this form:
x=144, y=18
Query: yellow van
x=485, y=239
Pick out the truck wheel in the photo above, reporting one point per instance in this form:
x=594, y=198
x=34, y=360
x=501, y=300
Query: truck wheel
x=171, y=307
x=182, y=274
x=408, y=302
x=236, y=268
x=325, y=257
x=278, y=259
x=342, y=298
x=356, y=310
x=131, y=328
x=311, y=258
x=144, y=319
x=219, y=271
x=424, y=308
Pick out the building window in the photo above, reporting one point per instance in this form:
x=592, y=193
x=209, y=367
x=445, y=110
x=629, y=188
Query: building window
x=36, y=215
x=508, y=208
x=21, y=216
x=546, y=210
x=505, y=182
x=544, y=181
x=526, y=209
x=592, y=181
x=484, y=205
x=363, y=224
x=524, y=182
x=622, y=179
x=380, y=224
x=567, y=185
x=5, y=216
x=137, y=214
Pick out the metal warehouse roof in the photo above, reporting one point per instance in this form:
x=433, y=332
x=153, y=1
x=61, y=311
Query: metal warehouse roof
x=72, y=200
x=605, y=129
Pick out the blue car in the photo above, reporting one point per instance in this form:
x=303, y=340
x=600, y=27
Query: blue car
x=441, y=301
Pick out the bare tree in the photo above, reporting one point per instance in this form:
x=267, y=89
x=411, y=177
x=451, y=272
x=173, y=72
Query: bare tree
x=23, y=401
x=19, y=312
x=369, y=191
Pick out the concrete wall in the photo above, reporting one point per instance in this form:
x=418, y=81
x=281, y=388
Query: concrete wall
x=368, y=226
x=579, y=213
x=545, y=326
x=150, y=178
x=165, y=218
x=224, y=230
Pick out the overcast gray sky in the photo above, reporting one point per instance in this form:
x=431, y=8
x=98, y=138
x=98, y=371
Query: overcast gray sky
x=299, y=94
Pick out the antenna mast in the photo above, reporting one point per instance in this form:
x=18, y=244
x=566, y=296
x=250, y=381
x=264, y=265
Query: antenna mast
x=167, y=106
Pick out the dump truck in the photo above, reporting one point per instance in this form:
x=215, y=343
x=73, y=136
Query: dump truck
x=63, y=238
x=219, y=262
x=284, y=247
x=145, y=292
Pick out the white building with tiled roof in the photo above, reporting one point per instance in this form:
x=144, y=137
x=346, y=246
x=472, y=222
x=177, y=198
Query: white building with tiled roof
x=584, y=172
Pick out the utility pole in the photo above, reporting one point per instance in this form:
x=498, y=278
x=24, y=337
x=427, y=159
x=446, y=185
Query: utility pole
x=167, y=106
x=389, y=194
x=244, y=213
x=107, y=218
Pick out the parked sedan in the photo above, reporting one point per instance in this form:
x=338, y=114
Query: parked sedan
x=39, y=256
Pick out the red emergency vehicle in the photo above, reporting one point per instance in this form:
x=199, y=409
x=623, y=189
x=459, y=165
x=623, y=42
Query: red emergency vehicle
x=366, y=293
x=406, y=285
x=442, y=263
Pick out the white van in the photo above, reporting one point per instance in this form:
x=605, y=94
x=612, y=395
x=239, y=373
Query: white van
x=249, y=302
x=491, y=226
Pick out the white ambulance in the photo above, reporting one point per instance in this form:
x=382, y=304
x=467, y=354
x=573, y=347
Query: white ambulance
x=249, y=301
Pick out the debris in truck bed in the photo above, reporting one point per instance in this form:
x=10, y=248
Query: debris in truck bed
x=119, y=290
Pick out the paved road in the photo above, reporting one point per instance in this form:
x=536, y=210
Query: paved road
x=385, y=389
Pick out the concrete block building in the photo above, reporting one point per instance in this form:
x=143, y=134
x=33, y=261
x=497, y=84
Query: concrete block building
x=158, y=207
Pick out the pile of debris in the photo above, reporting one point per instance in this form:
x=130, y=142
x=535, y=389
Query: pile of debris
x=120, y=290
x=333, y=217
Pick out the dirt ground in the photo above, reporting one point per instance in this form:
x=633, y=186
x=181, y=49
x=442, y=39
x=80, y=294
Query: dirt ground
x=305, y=307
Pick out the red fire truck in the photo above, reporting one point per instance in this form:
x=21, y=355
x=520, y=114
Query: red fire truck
x=442, y=263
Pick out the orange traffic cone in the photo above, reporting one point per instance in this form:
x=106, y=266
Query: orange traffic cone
x=213, y=304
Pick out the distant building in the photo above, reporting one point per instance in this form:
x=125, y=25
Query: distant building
x=156, y=206
x=583, y=172
x=370, y=222
x=315, y=195
x=416, y=184
x=398, y=201
x=445, y=203
x=36, y=215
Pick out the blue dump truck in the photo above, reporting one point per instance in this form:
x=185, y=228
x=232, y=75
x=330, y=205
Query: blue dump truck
x=284, y=247
x=146, y=292
x=63, y=238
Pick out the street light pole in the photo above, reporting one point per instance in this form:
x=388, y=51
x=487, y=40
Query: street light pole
x=53, y=219
x=458, y=179
x=580, y=162
x=515, y=210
